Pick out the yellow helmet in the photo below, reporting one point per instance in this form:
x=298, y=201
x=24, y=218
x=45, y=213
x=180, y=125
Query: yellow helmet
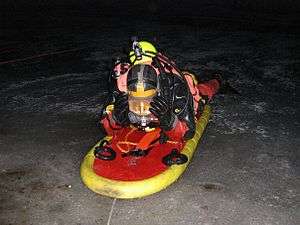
x=143, y=51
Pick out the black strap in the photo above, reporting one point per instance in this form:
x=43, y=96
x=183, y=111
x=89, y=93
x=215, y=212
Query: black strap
x=174, y=158
x=104, y=152
x=136, y=153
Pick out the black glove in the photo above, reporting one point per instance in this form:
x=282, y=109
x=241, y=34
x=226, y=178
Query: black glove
x=121, y=109
x=161, y=109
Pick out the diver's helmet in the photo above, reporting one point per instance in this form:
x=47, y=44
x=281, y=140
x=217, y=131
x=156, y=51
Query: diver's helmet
x=142, y=87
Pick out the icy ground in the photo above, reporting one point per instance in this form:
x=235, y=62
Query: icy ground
x=246, y=170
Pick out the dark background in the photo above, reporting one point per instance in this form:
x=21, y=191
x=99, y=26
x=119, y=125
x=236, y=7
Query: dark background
x=247, y=14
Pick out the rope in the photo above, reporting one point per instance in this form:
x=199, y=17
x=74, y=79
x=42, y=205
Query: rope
x=111, y=211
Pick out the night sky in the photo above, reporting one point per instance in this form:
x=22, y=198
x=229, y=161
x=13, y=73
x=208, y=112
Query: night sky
x=255, y=13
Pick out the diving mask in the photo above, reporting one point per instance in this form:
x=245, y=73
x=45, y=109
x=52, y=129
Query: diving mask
x=139, y=112
x=141, y=87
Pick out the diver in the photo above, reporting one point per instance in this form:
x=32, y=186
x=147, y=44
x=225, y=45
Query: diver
x=149, y=92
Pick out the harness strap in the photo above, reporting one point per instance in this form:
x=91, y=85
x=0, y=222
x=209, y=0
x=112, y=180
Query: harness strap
x=146, y=142
x=148, y=139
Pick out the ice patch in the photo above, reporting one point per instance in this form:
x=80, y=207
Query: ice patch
x=25, y=103
x=234, y=128
x=277, y=72
x=285, y=111
x=229, y=126
x=217, y=66
x=240, y=122
x=259, y=107
x=65, y=77
x=262, y=131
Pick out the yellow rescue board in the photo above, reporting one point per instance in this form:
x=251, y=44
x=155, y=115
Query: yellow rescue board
x=141, y=188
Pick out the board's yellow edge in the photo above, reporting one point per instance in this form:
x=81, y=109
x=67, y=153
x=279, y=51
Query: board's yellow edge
x=137, y=189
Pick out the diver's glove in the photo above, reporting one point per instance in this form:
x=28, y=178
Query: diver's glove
x=121, y=109
x=161, y=109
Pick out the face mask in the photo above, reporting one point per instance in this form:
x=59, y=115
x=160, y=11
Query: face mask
x=141, y=88
x=140, y=106
x=139, y=110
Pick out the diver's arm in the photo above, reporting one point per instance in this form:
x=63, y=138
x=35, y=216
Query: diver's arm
x=121, y=109
x=117, y=96
x=187, y=116
x=118, y=117
x=109, y=124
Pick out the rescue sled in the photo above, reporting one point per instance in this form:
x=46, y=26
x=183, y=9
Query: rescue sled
x=111, y=168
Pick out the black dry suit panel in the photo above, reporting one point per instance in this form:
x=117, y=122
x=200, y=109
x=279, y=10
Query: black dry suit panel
x=182, y=103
